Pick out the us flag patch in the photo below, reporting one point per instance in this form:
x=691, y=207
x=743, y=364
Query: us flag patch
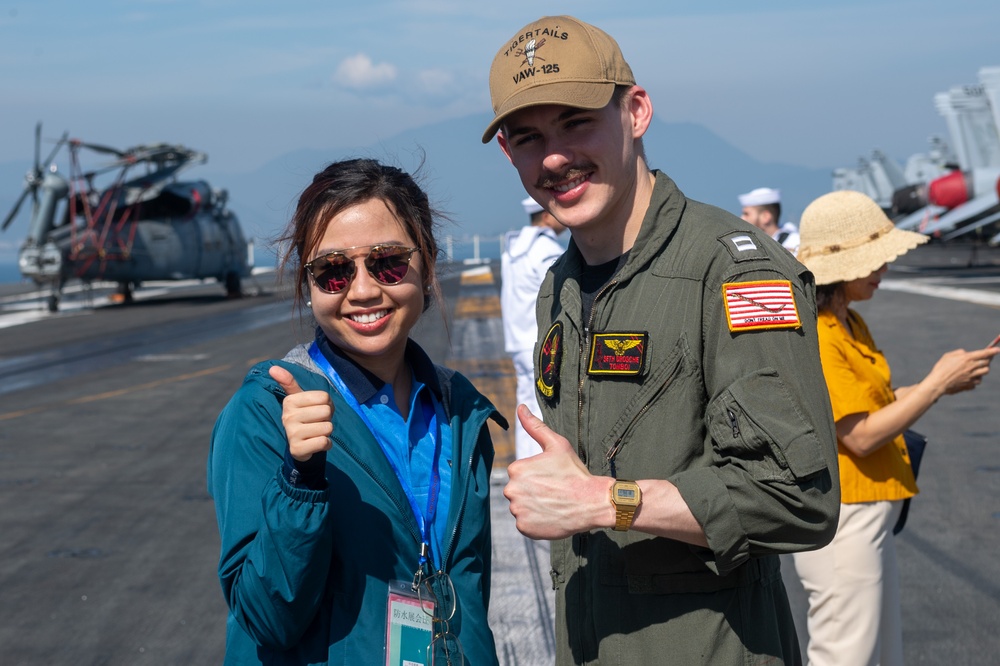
x=754, y=306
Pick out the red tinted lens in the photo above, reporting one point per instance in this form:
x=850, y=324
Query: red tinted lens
x=389, y=264
x=333, y=272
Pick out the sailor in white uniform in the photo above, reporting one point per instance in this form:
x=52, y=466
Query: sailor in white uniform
x=527, y=255
x=762, y=209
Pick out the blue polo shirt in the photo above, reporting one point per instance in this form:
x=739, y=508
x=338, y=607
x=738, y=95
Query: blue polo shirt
x=409, y=443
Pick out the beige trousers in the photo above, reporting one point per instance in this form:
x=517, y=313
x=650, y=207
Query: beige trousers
x=853, y=587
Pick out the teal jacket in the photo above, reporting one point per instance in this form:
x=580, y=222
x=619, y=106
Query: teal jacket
x=305, y=573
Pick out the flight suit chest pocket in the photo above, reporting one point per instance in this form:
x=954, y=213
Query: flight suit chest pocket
x=640, y=416
x=758, y=424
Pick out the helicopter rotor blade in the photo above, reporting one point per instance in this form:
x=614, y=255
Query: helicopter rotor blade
x=13, y=211
x=117, y=164
x=59, y=144
x=38, y=146
x=98, y=148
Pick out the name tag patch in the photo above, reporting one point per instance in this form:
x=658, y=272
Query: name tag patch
x=755, y=306
x=617, y=353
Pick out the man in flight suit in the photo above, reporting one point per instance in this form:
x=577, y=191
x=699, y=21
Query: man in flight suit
x=688, y=437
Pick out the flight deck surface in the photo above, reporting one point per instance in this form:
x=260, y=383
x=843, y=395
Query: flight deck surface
x=110, y=546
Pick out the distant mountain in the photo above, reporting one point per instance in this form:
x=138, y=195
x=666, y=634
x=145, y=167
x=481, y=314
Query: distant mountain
x=474, y=183
x=480, y=189
x=708, y=169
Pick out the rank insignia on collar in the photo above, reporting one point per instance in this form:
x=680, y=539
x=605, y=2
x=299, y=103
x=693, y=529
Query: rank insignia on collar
x=549, y=358
x=743, y=246
x=617, y=353
x=743, y=243
x=758, y=306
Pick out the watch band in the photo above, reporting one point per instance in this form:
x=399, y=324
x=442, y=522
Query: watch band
x=623, y=518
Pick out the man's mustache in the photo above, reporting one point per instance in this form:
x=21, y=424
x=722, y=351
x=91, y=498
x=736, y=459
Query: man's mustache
x=549, y=179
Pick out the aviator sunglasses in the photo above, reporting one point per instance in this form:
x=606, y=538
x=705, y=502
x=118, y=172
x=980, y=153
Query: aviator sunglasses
x=333, y=271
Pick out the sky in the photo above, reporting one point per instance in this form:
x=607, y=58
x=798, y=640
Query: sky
x=816, y=83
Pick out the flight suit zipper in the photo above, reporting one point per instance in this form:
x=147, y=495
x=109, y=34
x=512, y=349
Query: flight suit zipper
x=614, y=450
x=585, y=343
x=734, y=424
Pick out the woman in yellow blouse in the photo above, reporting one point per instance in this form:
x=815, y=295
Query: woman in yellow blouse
x=853, y=583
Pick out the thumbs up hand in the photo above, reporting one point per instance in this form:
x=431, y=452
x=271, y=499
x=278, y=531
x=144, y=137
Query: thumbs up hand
x=546, y=437
x=552, y=495
x=306, y=415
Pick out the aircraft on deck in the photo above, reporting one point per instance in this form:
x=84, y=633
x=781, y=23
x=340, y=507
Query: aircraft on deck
x=878, y=177
x=945, y=195
x=143, y=225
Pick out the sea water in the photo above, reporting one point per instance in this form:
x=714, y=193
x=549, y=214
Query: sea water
x=461, y=250
x=9, y=273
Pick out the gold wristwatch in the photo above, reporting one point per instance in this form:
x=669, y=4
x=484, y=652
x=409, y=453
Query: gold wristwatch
x=625, y=497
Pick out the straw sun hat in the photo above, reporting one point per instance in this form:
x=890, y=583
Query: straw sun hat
x=846, y=236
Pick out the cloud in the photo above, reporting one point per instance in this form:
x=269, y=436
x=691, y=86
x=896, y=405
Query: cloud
x=359, y=72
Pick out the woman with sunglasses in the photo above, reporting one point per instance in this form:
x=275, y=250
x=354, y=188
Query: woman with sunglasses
x=351, y=478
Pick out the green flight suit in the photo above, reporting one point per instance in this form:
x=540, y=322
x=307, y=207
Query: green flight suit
x=740, y=422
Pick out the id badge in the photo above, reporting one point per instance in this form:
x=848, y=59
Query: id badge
x=408, y=626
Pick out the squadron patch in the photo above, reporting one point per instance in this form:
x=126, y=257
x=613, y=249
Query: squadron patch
x=549, y=358
x=755, y=306
x=617, y=353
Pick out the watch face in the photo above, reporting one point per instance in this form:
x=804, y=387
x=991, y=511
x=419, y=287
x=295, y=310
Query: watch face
x=626, y=493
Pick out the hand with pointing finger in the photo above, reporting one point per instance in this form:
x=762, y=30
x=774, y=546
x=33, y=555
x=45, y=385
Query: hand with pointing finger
x=306, y=415
x=552, y=495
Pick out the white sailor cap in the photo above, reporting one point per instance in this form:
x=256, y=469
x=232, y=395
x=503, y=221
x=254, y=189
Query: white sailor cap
x=762, y=196
x=531, y=206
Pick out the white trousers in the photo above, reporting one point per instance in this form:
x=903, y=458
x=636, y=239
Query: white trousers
x=853, y=587
x=524, y=445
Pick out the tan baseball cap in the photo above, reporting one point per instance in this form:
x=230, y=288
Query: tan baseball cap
x=555, y=60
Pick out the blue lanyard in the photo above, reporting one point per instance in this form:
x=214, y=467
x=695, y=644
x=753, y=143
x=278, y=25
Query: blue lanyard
x=425, y=519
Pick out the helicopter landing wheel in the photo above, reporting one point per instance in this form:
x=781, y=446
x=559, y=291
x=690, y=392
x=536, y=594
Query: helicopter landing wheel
x=123, y=296
x=233, y=287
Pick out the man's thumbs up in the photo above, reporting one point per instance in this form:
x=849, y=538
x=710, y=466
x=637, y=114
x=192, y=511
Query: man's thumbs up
x=552, y=494
x=547, y=438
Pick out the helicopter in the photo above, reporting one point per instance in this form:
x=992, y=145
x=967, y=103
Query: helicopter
x=143, y=225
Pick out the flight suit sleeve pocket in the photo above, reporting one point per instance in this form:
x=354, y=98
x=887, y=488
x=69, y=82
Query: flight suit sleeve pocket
x=757, y=423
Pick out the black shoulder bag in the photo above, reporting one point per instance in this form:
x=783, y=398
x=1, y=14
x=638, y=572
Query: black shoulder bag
x=915, y=445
